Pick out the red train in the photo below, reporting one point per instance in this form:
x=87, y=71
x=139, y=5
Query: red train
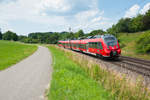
x=100, y=45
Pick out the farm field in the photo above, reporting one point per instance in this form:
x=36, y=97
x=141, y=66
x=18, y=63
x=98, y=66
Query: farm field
x=13, y=52
x=71, y=82
x=128, y=44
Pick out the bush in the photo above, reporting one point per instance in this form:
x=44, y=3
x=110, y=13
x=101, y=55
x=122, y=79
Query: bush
x=10, y=36
x=143, y=43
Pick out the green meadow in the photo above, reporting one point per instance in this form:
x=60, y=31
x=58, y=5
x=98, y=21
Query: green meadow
x=71, y=82
x=129, y=44
x=76, y=77
x=13, y=52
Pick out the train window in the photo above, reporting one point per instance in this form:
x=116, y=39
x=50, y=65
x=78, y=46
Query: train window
x=109, y=39
x=100, y=45
x=96, y=45
x=92, y=44
x=82, y=46
x=89, y=44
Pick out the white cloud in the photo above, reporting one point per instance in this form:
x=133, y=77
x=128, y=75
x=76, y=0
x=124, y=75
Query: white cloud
x=133, y=11
x=54, y=5
x=31, y=13
x=24, y=10
x=145, y=8
x=85, y=15
x=91, y=20
x=97, y=19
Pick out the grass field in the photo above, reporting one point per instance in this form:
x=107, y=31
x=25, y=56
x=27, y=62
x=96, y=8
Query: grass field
x=128, y=43
x=13, y=52
x=118, y=85
x=71, y=82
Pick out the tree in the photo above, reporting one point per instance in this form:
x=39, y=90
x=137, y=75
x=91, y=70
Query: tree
x=146, y=20
x=22, y=38
x=0, y=35
x=123, y=25
x=112, y=30
x=97, y=32
x=7, y=35
x=14, y=37
x=80, y=33
x=143, y=43
x=136, y=24
x=10, y=36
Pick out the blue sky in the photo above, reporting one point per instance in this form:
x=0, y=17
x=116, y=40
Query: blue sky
x=26, y=16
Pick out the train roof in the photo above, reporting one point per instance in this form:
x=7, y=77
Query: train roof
x=89, y=39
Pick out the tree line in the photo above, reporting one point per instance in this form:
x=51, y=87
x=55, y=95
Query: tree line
x=130, y=25
x=47, y=37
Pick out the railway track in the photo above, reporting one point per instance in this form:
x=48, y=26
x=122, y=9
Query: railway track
x=136, y=60
x=139, y=66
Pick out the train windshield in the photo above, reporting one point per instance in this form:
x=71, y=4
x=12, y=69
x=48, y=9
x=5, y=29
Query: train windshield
x=110, y=41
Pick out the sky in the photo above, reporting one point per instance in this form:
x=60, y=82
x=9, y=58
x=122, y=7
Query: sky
x=26, y=16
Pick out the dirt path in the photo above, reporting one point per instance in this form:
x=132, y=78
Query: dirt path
x=28, y=79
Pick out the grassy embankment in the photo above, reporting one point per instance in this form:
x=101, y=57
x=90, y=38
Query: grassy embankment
x=128, y=44
x=13, y=52
x=71, y=80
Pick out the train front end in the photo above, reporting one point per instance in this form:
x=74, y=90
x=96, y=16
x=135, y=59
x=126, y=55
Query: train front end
x=111, y=46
